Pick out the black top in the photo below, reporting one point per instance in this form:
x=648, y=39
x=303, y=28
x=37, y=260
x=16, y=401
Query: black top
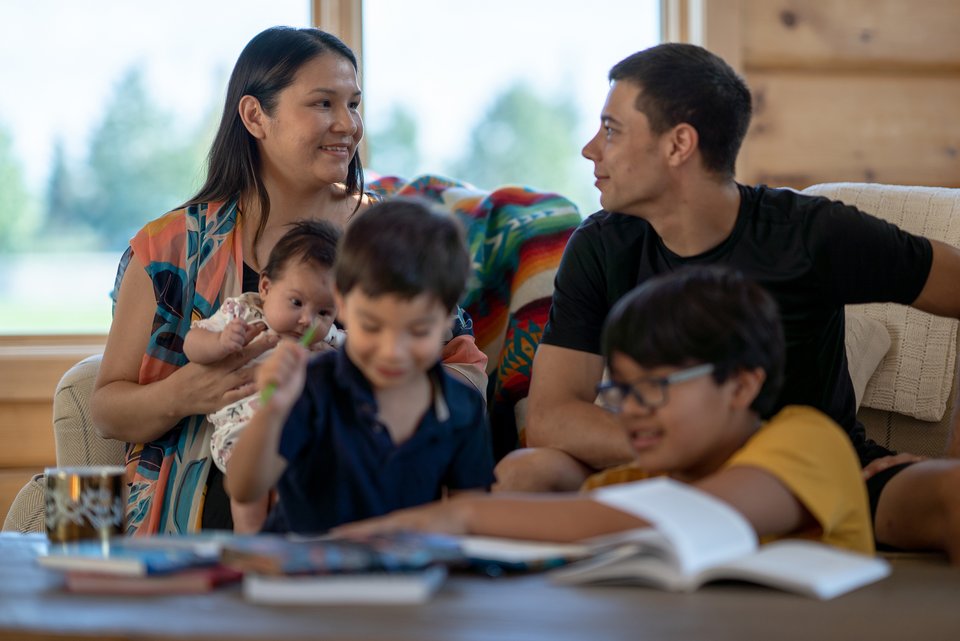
x=812, y=254
x=251, y=279
x=342, y=464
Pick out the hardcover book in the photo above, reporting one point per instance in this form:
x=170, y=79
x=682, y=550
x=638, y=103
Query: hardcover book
x=189, y=581
x=124, y=557
x=400, y=568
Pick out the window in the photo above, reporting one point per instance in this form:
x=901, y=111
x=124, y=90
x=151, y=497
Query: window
x=495, y=92
x=108, y=112
x=111, y=107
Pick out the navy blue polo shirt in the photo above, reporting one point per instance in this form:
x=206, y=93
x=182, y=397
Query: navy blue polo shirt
x=342, y=464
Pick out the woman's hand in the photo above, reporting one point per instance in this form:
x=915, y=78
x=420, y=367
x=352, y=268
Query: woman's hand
x=204, y=389
x=125, y=410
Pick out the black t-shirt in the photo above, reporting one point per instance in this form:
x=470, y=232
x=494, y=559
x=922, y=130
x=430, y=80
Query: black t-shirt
x=812, y=254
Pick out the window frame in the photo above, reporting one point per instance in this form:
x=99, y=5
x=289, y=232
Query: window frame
x=681, y=20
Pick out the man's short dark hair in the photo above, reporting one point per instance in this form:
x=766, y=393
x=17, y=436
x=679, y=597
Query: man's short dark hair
x=684, y=83
x=403, y=247
x=310, y=241
x=702, y=314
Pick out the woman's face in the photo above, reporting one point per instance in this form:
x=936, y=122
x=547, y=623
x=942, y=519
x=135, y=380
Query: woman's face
x=312, y=134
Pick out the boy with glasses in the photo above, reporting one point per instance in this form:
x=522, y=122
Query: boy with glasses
x=696, y=361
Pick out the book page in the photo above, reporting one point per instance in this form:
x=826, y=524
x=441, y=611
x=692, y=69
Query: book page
x=805, y=567
x=702, y=530
x=517, y=551
x=624, y=565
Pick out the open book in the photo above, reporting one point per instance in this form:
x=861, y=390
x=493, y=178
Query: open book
x=697, y=538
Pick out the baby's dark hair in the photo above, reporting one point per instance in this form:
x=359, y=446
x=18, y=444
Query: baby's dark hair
x=703, y=314
x=310, y=241
x=404, y=247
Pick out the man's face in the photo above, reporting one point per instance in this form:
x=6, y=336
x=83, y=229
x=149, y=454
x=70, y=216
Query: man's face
x=627, y=159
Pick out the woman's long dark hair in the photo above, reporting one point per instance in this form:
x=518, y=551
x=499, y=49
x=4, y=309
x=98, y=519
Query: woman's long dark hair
x=266, y=66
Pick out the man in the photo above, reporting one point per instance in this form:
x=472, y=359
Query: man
x=664, y=161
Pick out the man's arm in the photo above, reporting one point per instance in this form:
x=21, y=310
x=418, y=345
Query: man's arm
x=939, y=296
x=561, y=411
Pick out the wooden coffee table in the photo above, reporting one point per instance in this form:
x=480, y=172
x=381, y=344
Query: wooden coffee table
x=921, y=600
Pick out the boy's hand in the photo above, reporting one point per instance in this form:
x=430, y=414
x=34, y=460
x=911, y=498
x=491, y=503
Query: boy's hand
x=284, y=370
x=447, y=517
x=234, y=336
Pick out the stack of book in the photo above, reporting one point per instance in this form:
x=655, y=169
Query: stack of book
x=150, y=565
x=387, y=569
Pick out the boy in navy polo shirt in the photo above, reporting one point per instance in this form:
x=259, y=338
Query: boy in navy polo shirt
x=377, y=425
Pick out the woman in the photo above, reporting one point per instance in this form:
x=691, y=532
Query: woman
x=286, y=150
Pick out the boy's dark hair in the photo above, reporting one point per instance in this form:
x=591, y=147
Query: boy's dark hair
x=403, y=247
x=310, y=241
x=702, y=314
x=686, y=83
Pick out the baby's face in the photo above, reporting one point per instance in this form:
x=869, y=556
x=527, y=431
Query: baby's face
x=300, y=297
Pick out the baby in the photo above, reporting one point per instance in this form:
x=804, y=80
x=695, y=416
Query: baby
x=295, y=296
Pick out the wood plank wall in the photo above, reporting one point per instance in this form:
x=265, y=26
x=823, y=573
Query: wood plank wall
x=30, y=367
x=858, y=90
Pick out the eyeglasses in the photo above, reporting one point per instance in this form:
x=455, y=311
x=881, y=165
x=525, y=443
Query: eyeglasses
x=649, y=392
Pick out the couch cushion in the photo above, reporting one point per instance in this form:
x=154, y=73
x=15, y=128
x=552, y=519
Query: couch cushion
x=867, y=342
x=916, y=376
x=76, y=438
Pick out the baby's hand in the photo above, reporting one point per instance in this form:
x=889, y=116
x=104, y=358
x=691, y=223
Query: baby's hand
x=325, y=335
x=234, y=336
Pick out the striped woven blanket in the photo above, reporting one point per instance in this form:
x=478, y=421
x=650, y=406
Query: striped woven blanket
x=516, y=237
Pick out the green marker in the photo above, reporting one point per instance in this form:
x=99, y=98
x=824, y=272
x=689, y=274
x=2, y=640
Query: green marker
x=305, y=340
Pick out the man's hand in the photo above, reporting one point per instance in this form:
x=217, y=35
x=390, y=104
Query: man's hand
x=878, y=465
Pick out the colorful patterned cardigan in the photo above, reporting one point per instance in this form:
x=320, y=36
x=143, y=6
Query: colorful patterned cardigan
x=516, y=237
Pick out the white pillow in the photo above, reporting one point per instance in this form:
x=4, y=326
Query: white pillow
x=916, y=375
x=867, y=342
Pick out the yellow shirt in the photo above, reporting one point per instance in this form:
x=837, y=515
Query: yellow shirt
x=809, y=453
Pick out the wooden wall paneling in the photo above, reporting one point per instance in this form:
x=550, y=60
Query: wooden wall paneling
x=11, y=480
x=852, y=34
x=811, y=128
x=26, y=432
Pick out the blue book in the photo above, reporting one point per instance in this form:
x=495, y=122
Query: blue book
x=399, y=552
x=125, y=557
